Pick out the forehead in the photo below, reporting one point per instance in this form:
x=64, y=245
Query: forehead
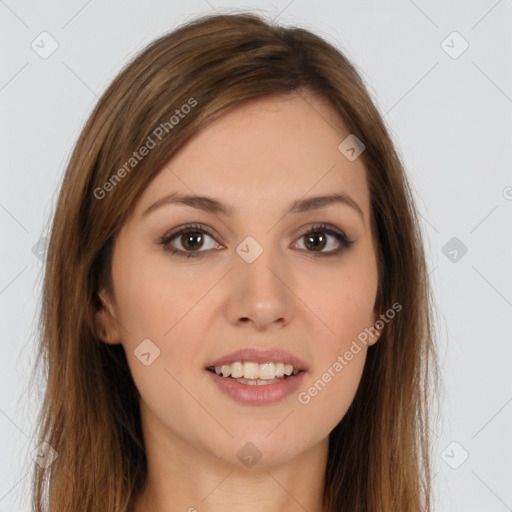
x=274, y=149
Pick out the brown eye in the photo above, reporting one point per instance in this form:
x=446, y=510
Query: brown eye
x=192, y=240
x=324, y=241
x=189, y=241
x=316, y=241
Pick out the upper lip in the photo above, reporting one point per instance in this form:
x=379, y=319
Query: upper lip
x=276, y=355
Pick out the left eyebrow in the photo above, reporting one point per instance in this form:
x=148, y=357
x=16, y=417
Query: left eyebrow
x=315, y=203
x=212, y=205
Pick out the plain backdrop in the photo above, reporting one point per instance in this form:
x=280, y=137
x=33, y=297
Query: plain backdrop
x=440, y=73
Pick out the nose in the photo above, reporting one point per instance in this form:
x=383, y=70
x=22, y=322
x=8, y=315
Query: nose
x=259, y=293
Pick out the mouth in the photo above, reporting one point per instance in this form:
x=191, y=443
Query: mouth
x=252, y=373
x=249, y=388
x=257, y=377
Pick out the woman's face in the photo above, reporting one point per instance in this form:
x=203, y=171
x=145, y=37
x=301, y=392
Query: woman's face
x=255, y=280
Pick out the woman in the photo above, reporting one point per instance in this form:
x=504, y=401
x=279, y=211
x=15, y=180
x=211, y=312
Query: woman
x=236, y=310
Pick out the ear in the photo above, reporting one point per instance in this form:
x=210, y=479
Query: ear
x=375, y=329
x=107, y=326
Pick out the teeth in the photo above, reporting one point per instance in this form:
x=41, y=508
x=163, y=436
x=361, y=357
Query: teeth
x=254, y=371
x=251, y=371
x=258, y=382
x=279, y=370
x=237, y=370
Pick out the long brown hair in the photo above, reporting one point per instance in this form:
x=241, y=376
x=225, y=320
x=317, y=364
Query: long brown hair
x=379, y=454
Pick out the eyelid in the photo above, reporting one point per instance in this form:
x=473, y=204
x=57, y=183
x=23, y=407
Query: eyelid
x=321, y=226
x=186, y=228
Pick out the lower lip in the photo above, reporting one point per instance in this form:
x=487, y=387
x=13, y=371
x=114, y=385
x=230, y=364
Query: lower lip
x=257, y=395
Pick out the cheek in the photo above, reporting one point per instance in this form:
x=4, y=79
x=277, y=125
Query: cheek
x=160, y=303
x=345, y=309
x=153, y=296
x=343, y=303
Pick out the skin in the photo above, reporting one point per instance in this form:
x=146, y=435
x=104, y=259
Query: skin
x=196, y=310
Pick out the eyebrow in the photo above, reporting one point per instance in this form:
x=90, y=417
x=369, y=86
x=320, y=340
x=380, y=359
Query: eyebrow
x=212, y=205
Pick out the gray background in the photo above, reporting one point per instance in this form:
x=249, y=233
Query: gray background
x=450, y=114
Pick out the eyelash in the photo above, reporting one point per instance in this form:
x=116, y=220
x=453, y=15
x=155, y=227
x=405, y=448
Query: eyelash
x=165, y=240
